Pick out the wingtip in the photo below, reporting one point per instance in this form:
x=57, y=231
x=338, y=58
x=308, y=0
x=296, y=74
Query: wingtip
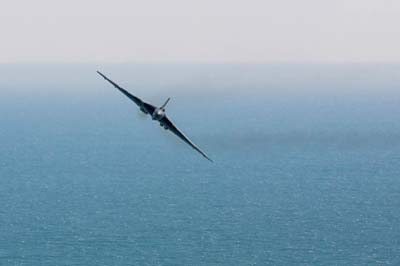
x=101, y=74
x=209, y=159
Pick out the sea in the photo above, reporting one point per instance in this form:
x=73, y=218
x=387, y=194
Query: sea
x=306, y=165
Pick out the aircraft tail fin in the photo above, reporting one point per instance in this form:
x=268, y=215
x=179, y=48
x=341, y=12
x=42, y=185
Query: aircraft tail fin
x=165, y=104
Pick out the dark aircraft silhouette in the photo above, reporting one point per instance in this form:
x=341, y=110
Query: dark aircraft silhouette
x=156, y=113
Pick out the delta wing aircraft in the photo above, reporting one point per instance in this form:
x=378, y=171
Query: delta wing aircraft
x=157, y=114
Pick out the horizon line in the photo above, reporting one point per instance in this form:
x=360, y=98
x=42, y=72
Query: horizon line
x=203, y=63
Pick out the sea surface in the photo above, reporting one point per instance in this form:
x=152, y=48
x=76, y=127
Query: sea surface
x=306, y=165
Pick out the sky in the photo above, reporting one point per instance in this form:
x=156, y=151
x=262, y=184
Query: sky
x=207, y=31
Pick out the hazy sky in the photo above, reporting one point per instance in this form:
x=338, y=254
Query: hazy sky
x=200, y=31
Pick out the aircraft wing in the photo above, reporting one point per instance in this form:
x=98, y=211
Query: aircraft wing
x=146, y=106
x=165, y=121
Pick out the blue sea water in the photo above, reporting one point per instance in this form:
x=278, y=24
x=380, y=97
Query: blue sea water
x=306, y=172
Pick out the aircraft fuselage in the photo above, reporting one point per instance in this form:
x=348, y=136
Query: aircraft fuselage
x=158, y=114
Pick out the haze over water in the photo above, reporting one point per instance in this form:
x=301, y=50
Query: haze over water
x=306, y=165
